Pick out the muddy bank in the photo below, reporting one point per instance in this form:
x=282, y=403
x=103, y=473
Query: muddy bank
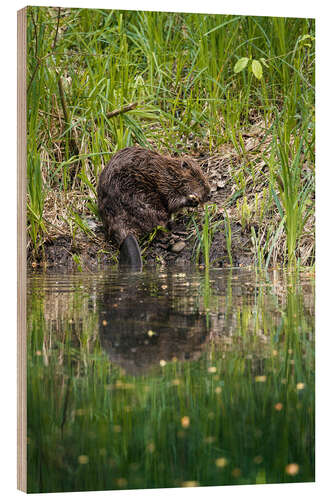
x=174, y=246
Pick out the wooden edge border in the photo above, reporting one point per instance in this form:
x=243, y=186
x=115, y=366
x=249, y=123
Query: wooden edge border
x=21, y=250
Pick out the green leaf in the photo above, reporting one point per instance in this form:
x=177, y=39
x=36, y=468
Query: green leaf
x=241, y=64
x=257, y=69
x=305, y=37
x=277, y=234
x=277, y=201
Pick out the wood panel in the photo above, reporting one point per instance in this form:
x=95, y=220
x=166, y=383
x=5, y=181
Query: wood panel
x=21, y=250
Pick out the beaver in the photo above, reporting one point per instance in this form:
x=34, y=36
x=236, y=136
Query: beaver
x=140, y=189
x=128, y=311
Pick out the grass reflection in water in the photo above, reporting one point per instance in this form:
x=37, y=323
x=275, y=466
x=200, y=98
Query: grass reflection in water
x=169, y=379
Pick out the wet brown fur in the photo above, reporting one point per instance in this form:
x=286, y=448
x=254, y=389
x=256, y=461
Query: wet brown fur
x=140, y=189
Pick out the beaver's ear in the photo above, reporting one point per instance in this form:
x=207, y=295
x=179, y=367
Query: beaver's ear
x=186, y=164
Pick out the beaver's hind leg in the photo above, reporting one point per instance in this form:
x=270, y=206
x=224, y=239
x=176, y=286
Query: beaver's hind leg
x=138, y=222
x=129, y=251
x=129, y=254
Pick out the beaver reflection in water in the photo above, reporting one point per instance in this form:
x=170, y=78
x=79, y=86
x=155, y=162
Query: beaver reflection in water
x=139, y=190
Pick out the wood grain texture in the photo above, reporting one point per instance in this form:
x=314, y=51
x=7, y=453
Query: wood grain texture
x=21, y=250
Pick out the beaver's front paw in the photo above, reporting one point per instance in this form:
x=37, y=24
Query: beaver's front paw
x=192, y=200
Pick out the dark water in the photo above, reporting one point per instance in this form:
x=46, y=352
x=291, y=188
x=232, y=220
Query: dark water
x=169, y=378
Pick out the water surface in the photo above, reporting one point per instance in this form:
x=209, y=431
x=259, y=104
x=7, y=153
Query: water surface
x=169, y=378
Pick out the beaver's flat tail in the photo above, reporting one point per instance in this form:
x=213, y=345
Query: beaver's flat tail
x=130, y=255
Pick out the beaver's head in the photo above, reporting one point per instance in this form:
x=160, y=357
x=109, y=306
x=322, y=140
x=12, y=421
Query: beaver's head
x=197, y=186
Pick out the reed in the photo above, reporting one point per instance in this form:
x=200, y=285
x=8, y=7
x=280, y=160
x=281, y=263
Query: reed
x=295, y=185
x=228, y=236
x=204, y=237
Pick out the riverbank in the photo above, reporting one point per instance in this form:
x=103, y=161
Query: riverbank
x=242, y=208
x=234, y=92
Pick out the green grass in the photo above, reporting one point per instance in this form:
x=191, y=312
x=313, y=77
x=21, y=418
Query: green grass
x=170, y=78
x=204, y=238
x=295, y=191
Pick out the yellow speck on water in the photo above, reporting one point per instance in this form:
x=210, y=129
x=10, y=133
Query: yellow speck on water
x=150, y=333
x=221, y=462
x=278, y=406
x=190, y=484
x=236, y=472
x=151, y=447
x=292, y=469
x=162, y=363
x=80, y=412
x=83, y=459
x=300, y=386
x=212, y=369
x=121, y=482
x=104, y=322
x=260, y=378
x=185, y=422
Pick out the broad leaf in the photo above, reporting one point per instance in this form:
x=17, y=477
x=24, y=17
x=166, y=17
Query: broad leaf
x=257, y=69
x=241, y=64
